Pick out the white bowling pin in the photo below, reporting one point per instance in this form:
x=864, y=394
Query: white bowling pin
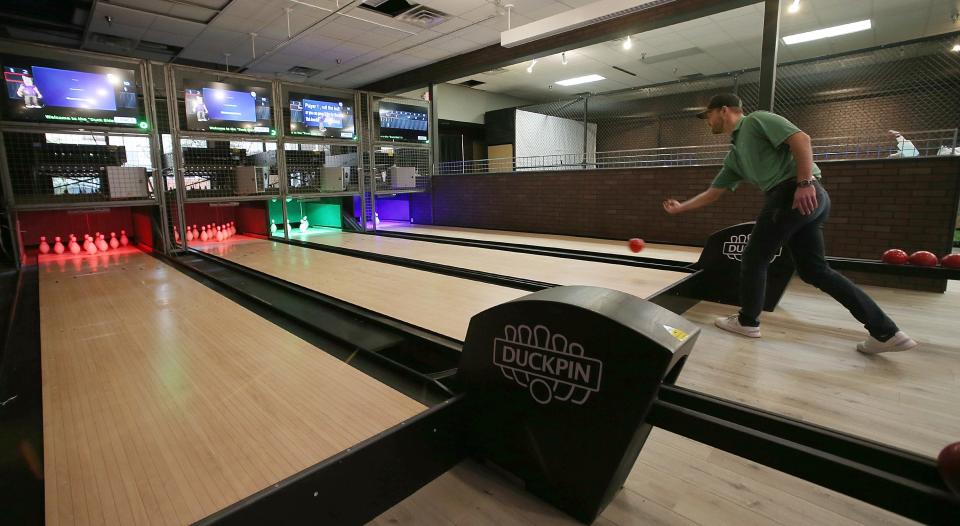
x=58, y=246
x=273, y=226
x=189, y=234
x=203, y=233
x=176, y=235
x=44, y=246
x=123, y=238
x=90, y=246
x=219, y=234
x=196, y=233
x=74, y=247
x=114, y=243
x=303, y=224
x=102, y=245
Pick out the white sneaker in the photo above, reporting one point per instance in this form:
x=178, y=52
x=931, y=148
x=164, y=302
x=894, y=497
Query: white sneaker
x=732, y=324
x=899, y=342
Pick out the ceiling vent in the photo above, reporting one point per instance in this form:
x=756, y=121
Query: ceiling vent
x=424, y=16
x=498, y=71
x=303, y=71
x=673, y=55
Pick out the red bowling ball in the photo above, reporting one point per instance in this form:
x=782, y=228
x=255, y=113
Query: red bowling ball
x=895, y=256
x=948, y=463
x=922, y=258
x=636, y=244
x=950, y=261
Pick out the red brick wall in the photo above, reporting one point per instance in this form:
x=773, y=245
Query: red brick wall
x=908, y=204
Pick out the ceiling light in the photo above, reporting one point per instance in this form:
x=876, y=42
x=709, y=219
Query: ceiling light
x=530, y=67
x=627, y=44
x=563, y=58
x=955, y=48
x=794, y=7
x=580, y=80
x=827, y=32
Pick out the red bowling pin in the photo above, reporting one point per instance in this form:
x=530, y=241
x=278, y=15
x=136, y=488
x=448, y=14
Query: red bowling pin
x=113, y=240
x=58, y=246
x=123, y=238
x=44, y=247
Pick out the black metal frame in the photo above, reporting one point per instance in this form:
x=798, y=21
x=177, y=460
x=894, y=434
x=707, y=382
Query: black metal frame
x=21, y=398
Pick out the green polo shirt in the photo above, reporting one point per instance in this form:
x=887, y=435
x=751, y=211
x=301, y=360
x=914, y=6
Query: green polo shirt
x=758, y=153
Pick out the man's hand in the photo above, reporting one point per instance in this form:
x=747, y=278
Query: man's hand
x=805, y=199
x=672, y=206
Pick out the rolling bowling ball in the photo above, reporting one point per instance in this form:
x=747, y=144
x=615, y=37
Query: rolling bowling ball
x=922, y=258
x=950, y=261
x=948, y=463
x=894, y=256
x=636, y=244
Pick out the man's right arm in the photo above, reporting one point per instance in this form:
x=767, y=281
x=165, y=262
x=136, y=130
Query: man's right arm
x=704, y=198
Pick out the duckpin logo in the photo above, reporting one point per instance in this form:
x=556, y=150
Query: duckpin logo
x=734, y=248
x=551, y=367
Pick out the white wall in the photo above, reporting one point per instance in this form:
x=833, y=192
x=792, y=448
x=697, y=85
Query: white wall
x=558, y=138
x=460, y=103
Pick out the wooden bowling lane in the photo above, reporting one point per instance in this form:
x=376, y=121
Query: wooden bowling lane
x=562, y=271
x=435, y=302
x=652, y=250
x=805, y=366
x=675, y=481
x=164, y=402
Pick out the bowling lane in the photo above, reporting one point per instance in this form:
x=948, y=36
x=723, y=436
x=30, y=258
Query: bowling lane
x=674, y=481
x=673, y=252
x=562, y=271
x=164, y=402
x=435, y=302
x=805, y=366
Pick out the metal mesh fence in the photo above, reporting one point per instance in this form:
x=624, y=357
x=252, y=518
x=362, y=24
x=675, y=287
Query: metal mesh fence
x=321, y=168
x=397, y=168
x=912, y=86
x=69, y=166
x=222, y=168
x=894, y=101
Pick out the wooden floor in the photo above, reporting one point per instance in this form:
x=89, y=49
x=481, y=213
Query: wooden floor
x=805, y=367
x=675, y=481
x=562, y=271
x=164, y=402
x=652, y=250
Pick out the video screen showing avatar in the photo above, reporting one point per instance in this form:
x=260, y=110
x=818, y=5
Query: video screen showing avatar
x=227, y=108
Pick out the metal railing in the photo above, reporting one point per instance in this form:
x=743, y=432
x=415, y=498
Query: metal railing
x=909, y=144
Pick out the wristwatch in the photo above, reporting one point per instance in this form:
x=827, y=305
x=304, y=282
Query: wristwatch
x=806, y=182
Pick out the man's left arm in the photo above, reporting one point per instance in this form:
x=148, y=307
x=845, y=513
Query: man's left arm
x=805, y=198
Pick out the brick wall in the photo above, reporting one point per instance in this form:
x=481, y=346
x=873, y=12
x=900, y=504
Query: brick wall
x=908, y=204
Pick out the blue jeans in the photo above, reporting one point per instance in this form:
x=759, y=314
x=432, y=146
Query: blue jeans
x=779, y=224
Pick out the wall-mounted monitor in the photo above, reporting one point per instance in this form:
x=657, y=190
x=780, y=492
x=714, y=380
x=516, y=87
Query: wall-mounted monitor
x=227, y=108
x=321, y=116
x=56, y=92
x=402, y=122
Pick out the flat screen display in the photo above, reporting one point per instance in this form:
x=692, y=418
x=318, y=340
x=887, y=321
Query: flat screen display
x=402, y=122
x=46, y=91
x=227, y=108
x=321, y=116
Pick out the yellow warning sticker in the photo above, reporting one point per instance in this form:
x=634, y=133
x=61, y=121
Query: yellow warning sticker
x=676, y=333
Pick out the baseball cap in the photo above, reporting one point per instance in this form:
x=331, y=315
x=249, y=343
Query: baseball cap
x=718, y=101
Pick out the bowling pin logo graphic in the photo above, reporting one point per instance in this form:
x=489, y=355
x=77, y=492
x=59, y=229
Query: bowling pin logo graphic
x=734, y=248
x=549, y=365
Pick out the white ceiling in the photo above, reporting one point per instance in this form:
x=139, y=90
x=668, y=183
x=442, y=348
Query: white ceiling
x=368, y=45
x=728, y=41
